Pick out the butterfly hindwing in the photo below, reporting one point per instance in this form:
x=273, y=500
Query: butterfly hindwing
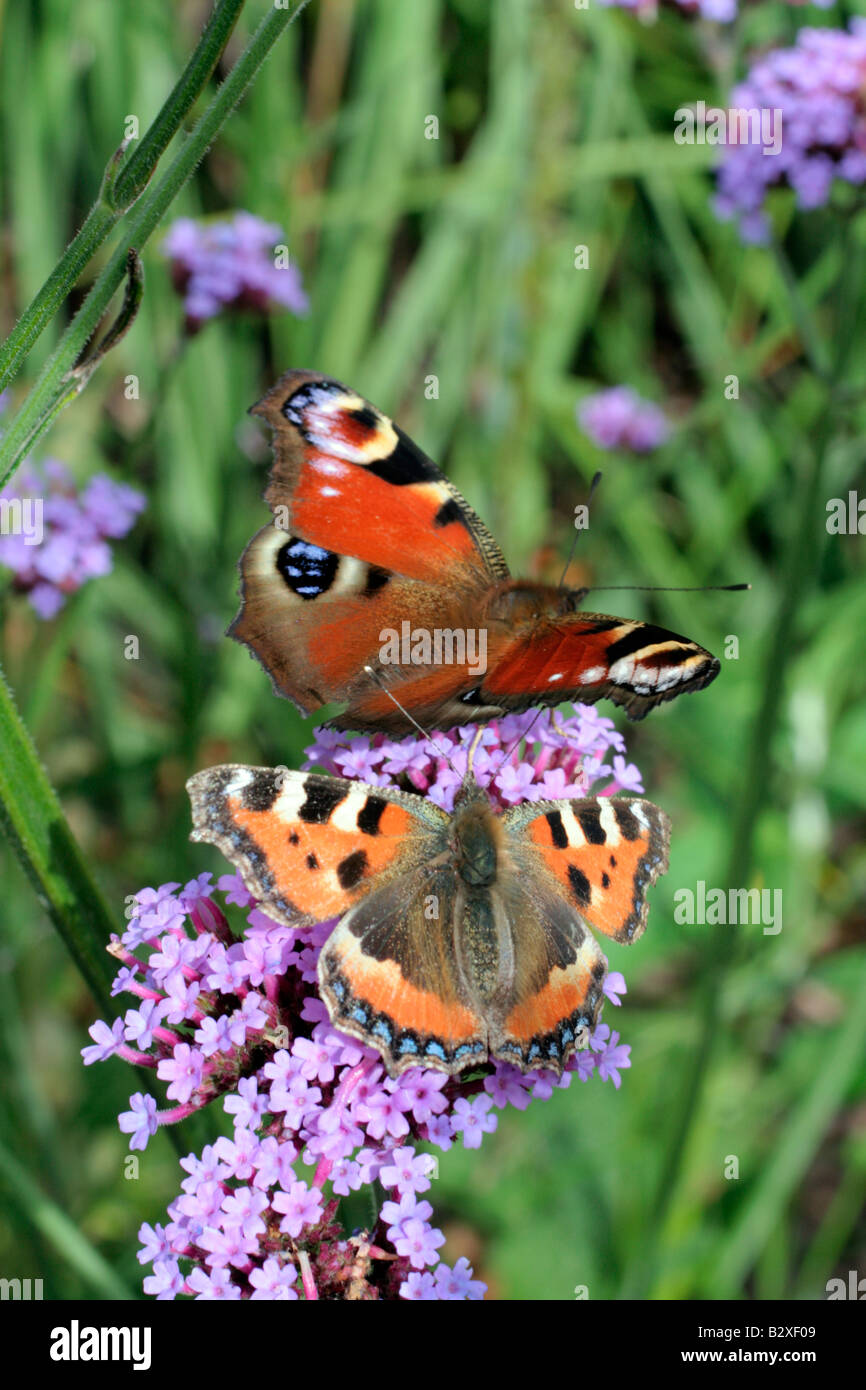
x=602, y=852
x=591, y=656
x=391, y=976
x=555, y=995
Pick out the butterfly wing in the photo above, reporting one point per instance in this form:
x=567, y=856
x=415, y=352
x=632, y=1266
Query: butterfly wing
x=602, y=853
x=309, y=847
x=554, y=992
x=569, y=865
x=588, y=657
x=366, y=532
x=391, y=977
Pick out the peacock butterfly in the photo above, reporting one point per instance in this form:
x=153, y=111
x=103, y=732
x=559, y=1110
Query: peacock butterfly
x=374, y=559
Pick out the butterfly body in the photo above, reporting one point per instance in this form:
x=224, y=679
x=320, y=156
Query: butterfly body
x=461, y=938
x=368, y=536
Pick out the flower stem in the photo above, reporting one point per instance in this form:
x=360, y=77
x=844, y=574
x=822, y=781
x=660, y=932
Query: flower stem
x=121, y=186
x=140, y=222
x=35, y=825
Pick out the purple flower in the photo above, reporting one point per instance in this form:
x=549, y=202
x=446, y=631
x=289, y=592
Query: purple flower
x=139, y=1121
x=418, y=1242
x=107, y=1040
x=719, y=11
x=274, y=1280
x=53, y=539
x=619, y=418
x=809, y=128
x=407, y=1172
x=614, y=1058
x=240, y=263
x=473, y=1120
x=166, y=1282
x=300, y=1206
x=457, y=1283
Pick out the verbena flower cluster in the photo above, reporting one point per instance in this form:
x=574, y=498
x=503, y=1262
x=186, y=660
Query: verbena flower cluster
x=619, y=418
x=226, y=1009
x=71, y=543
x=231, y=264
x=720, y=11
x=819, y=86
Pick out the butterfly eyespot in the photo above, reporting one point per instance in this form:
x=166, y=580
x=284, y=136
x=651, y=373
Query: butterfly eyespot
x=306, y=569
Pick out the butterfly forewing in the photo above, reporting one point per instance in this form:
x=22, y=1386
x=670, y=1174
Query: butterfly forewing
x=602, y=852
x=309, y=847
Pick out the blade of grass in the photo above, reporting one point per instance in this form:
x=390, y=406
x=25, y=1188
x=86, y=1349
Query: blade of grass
x=59, y=1231
x=141, y=221
x=39, y=832
x=123, y=183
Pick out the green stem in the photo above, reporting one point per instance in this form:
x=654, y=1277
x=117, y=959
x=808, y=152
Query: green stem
x=140, y=223
x=34, y=822
x=136, y=173
x=121, y=186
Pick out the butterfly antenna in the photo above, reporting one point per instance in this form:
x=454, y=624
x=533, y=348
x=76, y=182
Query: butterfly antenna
x=472, y=747
x=592, y=487
x=377, y=680
x=670, y=588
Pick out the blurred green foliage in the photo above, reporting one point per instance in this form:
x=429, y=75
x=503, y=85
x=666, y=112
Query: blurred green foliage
x=455, y=257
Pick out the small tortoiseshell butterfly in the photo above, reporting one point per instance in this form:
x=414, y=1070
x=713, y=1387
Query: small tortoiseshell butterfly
x=369, y=535
x=462, y=938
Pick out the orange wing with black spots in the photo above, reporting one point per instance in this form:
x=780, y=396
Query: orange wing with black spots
x=461, y=938
x=603, y=853
x=309, y=847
